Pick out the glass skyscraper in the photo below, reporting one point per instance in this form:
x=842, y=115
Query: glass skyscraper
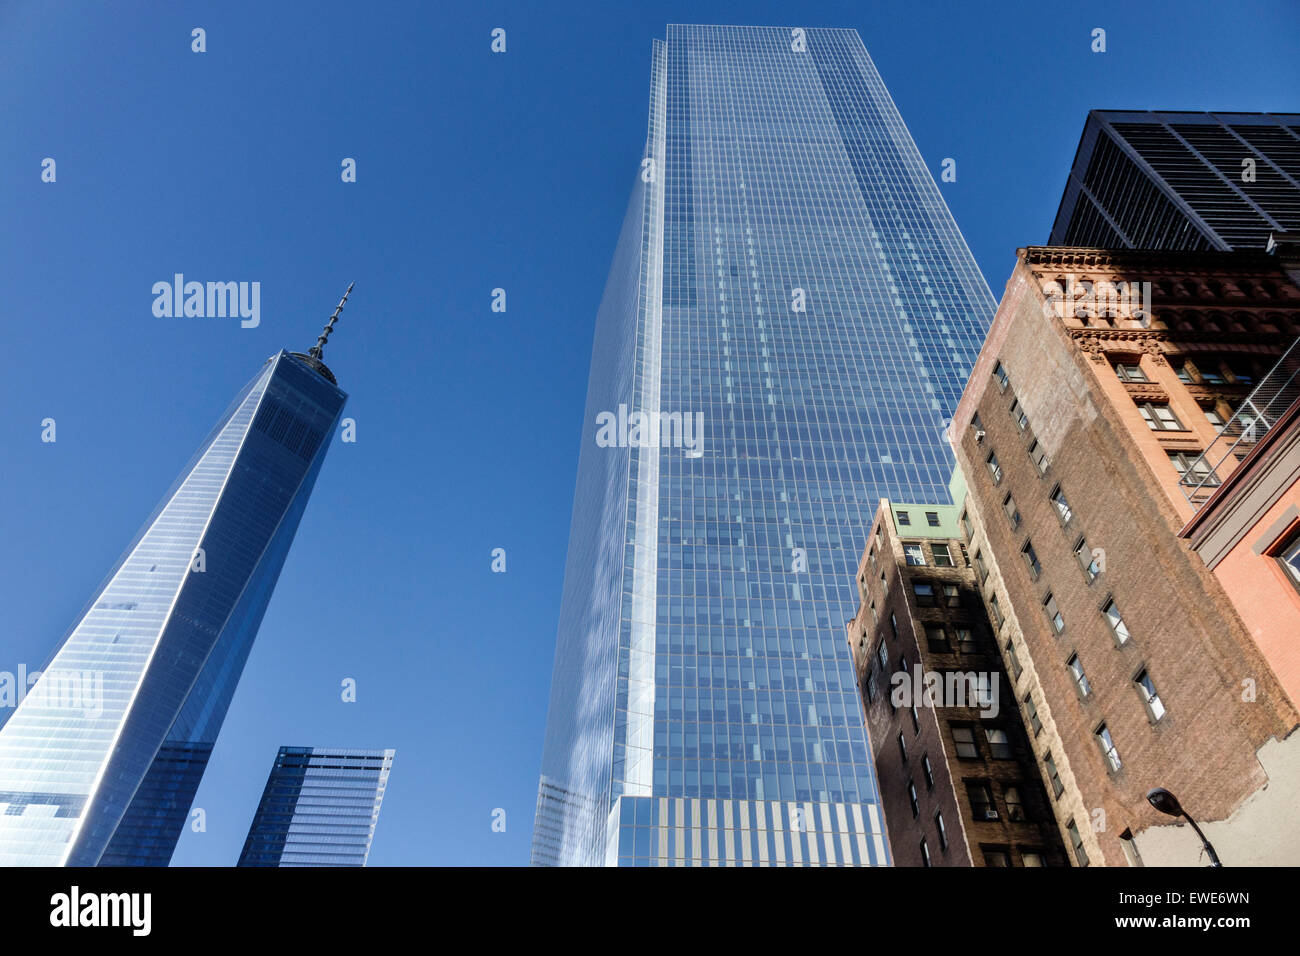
x=319, y=808
x=789, y=320
x=1166, y=180
x=100, y=762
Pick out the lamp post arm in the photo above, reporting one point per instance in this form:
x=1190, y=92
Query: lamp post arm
x=1209, y=847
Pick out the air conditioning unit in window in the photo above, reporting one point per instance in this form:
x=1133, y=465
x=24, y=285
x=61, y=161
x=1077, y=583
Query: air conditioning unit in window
x=990, y=814
x=979, y=435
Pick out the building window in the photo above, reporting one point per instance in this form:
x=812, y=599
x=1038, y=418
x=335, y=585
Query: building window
x=1243, y=375
x=1000, y=374
x=966, y=640
x=1131, y=854
x=1015, y=805
x=902, y=748
x=951, y=595
x=1214, y=418
x=903, y=518
x=1032, y=713
x=1185, y=373
x=975, y=422
x=1053, y=776
x=916, y=720
x=932, y=519
x=1012, y=512
x=995, y=611
x=1080, y=678
x=1130, y=372
x=1031, y=858
x=966, y=526
x=942, y=556
x=1062, y=505
x=1190, y=465
x=893, y=626
x=1014, y=660
x=981, y=800
x=928, y=771
x=1090, y=562
x=1289, y=558
x=925, y=853
x=1022, y=420
x=963, y=740
x=999, y=743
x=1053, y=613
x=941, y=830
x=1107, y=746
x=1210, y=374
x=936, y=639
x=994, y=468
x=1031, y=560
x=1116, y=621
x=871, y=686
x=1076, y=841
x=1039, y=456
x=1147, y=688
x=882, y=653
x=998, y=858
x=980, y=566
x=924, y=593
x=1160, y=418
x=913, y=554
x=911, y=798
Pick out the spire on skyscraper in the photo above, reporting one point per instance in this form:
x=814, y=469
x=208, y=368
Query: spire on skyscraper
x=313, y=355
x=317, y=349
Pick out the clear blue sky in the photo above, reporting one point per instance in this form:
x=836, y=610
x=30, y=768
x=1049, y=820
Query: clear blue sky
x=475, y=171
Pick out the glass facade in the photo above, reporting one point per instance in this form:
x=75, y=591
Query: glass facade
x=789, y=320
x=1145, y=180
x=99, y=764
x=319, y=808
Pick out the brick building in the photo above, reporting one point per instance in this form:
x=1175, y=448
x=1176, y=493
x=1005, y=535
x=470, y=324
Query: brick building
x=958, y=780
x=1093, y=396
x=1247, y=523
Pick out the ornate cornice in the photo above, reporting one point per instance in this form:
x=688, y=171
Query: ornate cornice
x=1097, y=342
x=1241, y=262
x=1120, y=335
x=1232, y=394
x=1146, y=392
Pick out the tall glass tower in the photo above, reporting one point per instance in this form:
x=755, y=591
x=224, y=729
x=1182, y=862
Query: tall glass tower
x=100, y=762
x=319, y=808
x=790, y=283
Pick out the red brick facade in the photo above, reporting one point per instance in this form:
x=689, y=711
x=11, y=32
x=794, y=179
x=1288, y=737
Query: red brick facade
x=1072, y=434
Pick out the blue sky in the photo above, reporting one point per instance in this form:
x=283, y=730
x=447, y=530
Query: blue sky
x=474, y=171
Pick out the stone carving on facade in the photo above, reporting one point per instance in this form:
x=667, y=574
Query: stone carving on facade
x=1091, y=346
x=1151, y=345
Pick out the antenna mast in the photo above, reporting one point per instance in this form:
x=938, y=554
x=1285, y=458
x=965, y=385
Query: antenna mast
x=317, y=350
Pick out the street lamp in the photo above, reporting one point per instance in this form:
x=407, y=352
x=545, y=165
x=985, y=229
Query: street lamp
x=1166, y=802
